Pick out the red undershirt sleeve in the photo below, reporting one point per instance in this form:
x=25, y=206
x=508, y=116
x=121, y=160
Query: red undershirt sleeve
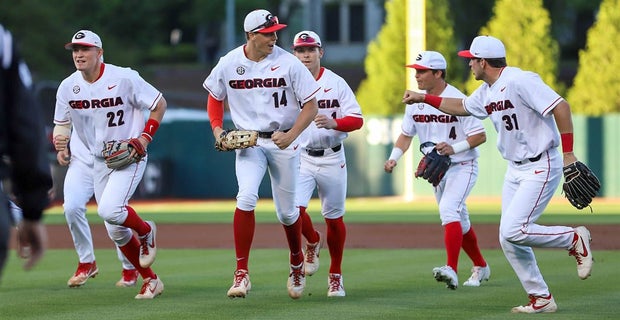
x=349, y=123
x=215, y=109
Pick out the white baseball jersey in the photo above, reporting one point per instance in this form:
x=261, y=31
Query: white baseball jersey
x=112, y=108
x=336, y=100
x=262, y=95
x=519, y=104
x=432, y=125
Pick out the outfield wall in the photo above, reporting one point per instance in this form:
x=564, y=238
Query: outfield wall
x=184, y=164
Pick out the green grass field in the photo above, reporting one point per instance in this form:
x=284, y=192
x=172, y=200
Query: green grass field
x=380, y=284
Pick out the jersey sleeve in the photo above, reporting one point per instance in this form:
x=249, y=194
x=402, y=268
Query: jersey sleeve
x=536, y=94
x=304, y=84
x=408, y=126
x=348, y=102
x=214, y=83
x=145, y=95
x=474, y=104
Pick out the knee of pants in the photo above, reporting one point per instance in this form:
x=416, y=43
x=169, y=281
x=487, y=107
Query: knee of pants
x=113, y=214
x=288, y=219
x=512, y=234
x=74, y=210
x=247, y=202
x=333, y=214
x=119, y=234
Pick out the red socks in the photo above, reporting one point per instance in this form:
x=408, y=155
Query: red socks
x=336, y=236
x=453, y=239
x=132, y=251
x=470, y=246
x=307, y=229
x=243, y=230
x=293, y=236
x=136, y=223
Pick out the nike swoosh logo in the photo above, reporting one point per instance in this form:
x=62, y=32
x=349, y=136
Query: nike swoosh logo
x=295, y=147
x=327, y=90
x=585, y=250
x=502, y=89
x=538, y=171
x=535, y=307
x=155, y=287
x=275, y=68
x=342, y=165
x=111, y=87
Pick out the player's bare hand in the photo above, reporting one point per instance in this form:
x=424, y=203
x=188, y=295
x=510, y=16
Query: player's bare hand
x=569, y=157
x=389, y=165
x=282, y=139
x=323, y=121
x=444, y=149
x=63, y=157
x=31, y=242
x=411, y=97
x=60, y=142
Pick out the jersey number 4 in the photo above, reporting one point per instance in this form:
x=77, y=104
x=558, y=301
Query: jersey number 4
x=115, y=119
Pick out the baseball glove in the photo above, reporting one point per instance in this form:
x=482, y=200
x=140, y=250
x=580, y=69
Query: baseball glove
x=580, y=185
x=432, y=166
x=117, y=154
x=236, y=139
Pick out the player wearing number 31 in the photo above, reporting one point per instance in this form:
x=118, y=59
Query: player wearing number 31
x=262, y=84
x=106, y=104
x=531, y=120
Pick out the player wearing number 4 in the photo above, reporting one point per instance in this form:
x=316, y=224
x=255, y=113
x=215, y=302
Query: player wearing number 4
x=531, y=121
x=262, y=84
x=458, y=138
x=105, y=104
x=323, y=162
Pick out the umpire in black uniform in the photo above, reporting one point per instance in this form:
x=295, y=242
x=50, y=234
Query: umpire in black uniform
x=23, y=155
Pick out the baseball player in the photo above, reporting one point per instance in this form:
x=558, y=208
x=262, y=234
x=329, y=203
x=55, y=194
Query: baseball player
x=105, y=103
x=22, y=143
x=457, y=137
x=323, y=162
x=262, y=84
x=531, y=121
x=78, y=190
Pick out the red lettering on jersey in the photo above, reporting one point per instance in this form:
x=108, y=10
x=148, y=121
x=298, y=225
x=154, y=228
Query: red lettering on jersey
x=498, y=106
x=328, y=104
x=427, y=118
x=257, y=83
x=96, y=103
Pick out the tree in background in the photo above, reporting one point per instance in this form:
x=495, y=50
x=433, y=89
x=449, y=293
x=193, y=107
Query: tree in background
x=524, y=27
x=440, y=37
x=382, y=90
x=596, y=87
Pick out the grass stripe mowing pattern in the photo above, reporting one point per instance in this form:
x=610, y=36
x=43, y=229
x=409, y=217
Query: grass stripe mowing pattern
x=380, y=284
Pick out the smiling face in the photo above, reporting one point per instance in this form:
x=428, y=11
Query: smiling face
x=310, y=57
x=86, y=59
x=428, y=79
x=260, y=45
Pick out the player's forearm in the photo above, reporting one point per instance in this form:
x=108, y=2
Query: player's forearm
x=305, y=117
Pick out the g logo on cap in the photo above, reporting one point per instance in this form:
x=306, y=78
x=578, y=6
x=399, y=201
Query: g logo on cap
x=79, y=35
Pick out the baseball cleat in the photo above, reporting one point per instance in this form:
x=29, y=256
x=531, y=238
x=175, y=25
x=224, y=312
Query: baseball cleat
x=335, y=285
x=128, y=279
x=446, y=274
x=82, y=274
x=148, y=249
x=478, y=274
x=311, y=254
x=241, y=284
x=151, y=288
x=537, y=305
x=296, y=282
x=582, y=253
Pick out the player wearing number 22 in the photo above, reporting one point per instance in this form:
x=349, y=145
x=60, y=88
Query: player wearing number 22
x=458, y=138
x=531, y=121
x=262, y=84
x=105, y=103
x=323, y=162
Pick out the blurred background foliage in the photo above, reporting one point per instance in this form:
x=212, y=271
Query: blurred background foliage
x=546, y=36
